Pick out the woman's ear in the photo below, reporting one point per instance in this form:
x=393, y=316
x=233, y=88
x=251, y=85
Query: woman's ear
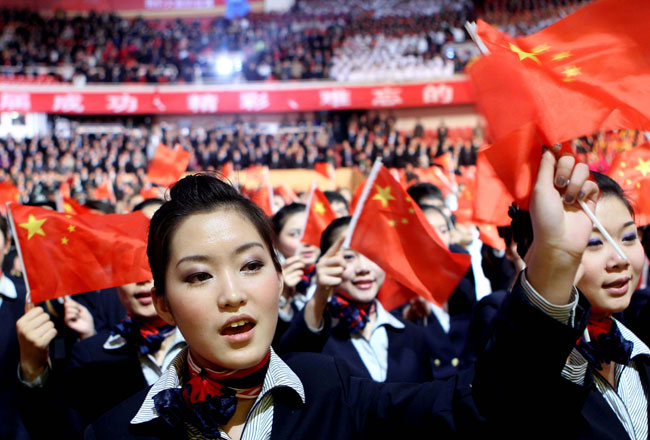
x=162, y=307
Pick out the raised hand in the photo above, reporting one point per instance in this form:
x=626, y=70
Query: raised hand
x=292, y=271
x=35, y=332
x=329, y=274
x=78, y=318
x=561, y=228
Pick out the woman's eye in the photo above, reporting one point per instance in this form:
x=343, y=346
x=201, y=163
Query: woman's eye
x=197, y=277
x=348, y=257
x=593, y=242
x=632, y=236
x=253, y=266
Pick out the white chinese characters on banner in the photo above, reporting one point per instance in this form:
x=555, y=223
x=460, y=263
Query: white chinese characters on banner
x=68, y=103
x=123, y=103
x=335, y=98
x=440, y=94
x=16, y=102
x=386, y=97
x=203, y=102
x=254, y=101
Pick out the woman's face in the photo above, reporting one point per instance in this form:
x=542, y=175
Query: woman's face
x=440, y=224
x=289, y=240
x=137, y=299
x=362, y=278
x=222, y=289
x=604, y=277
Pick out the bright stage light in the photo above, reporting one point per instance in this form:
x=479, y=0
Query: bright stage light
x=225, y=65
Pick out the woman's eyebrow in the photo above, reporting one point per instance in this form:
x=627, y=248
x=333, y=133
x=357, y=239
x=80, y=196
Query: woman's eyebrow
x=203, y=258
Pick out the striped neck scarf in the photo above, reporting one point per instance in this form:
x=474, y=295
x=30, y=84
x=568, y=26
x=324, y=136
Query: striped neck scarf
x=352, y=315
x=208, y=399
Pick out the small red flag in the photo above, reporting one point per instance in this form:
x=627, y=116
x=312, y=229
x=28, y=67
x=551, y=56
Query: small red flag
x=8, y=194
x=287, y=194
x=325, y=169
x=584, y=73
x=168, y=165
x=72, y=206
x=631, y=170
x=491, y=198
x=394, y=233
x=105, y=192
x=66, y=254
x=263, y=197
x=489, y=234
x=319, y=216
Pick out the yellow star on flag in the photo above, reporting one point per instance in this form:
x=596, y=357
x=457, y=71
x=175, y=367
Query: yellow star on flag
x=71, y=228
x=561, y=55
x=319, y=208
x=391, y=222
x=523, y=54
x=411, y=211
x=64, y=240
x=383, y=195
x=33, y=226
x=405, y=221
x=541, y=48
x=643, y=167
x=570, y=72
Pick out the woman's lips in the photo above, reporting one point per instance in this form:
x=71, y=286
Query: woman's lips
x=144, y=298
x=363, y=284
x=618, y=287
x=238, y=329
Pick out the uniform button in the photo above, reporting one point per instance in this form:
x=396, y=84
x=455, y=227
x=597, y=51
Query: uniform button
x=437, y=362
x=455, y=362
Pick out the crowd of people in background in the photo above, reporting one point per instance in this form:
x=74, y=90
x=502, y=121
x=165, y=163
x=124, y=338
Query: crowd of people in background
x=343, y=41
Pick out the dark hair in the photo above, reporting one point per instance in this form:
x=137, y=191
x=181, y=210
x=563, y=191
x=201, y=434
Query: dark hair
x=194, y=194
x=146, y=203
x=522, y=227
x=4, y=227
x=333, y=196
x=439, y=211
x=282, y=216
x=100, y=205
x=424, y=189
x=331, y=231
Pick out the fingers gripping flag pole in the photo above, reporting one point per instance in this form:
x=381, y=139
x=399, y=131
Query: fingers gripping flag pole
x=362, y=201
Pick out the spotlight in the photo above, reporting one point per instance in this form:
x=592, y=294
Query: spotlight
x=224, y=65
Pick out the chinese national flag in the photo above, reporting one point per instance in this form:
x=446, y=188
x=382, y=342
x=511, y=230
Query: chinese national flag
x=66, y=254
x=393, y=232
x=515, y=160
x=436, y=176
x=263, y=198
x=491, y=198
x=631, y=170
x=168, y=165
x=325, y=169
x=466, y=196
x=489, y=234
x=152, y=192
x=104, y=192
x=584, y=73
x=71, y=206
x=287, y=194
x=8, y=194
x=320, y=215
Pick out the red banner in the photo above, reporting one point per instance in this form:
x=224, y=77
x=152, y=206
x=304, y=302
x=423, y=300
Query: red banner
x=218, y=99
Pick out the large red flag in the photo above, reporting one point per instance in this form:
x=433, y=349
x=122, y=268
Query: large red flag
x=584, y=73
x=394, y=233
x=66, y=254
x=319, y=216
x=631, y=169
x=168, y=165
